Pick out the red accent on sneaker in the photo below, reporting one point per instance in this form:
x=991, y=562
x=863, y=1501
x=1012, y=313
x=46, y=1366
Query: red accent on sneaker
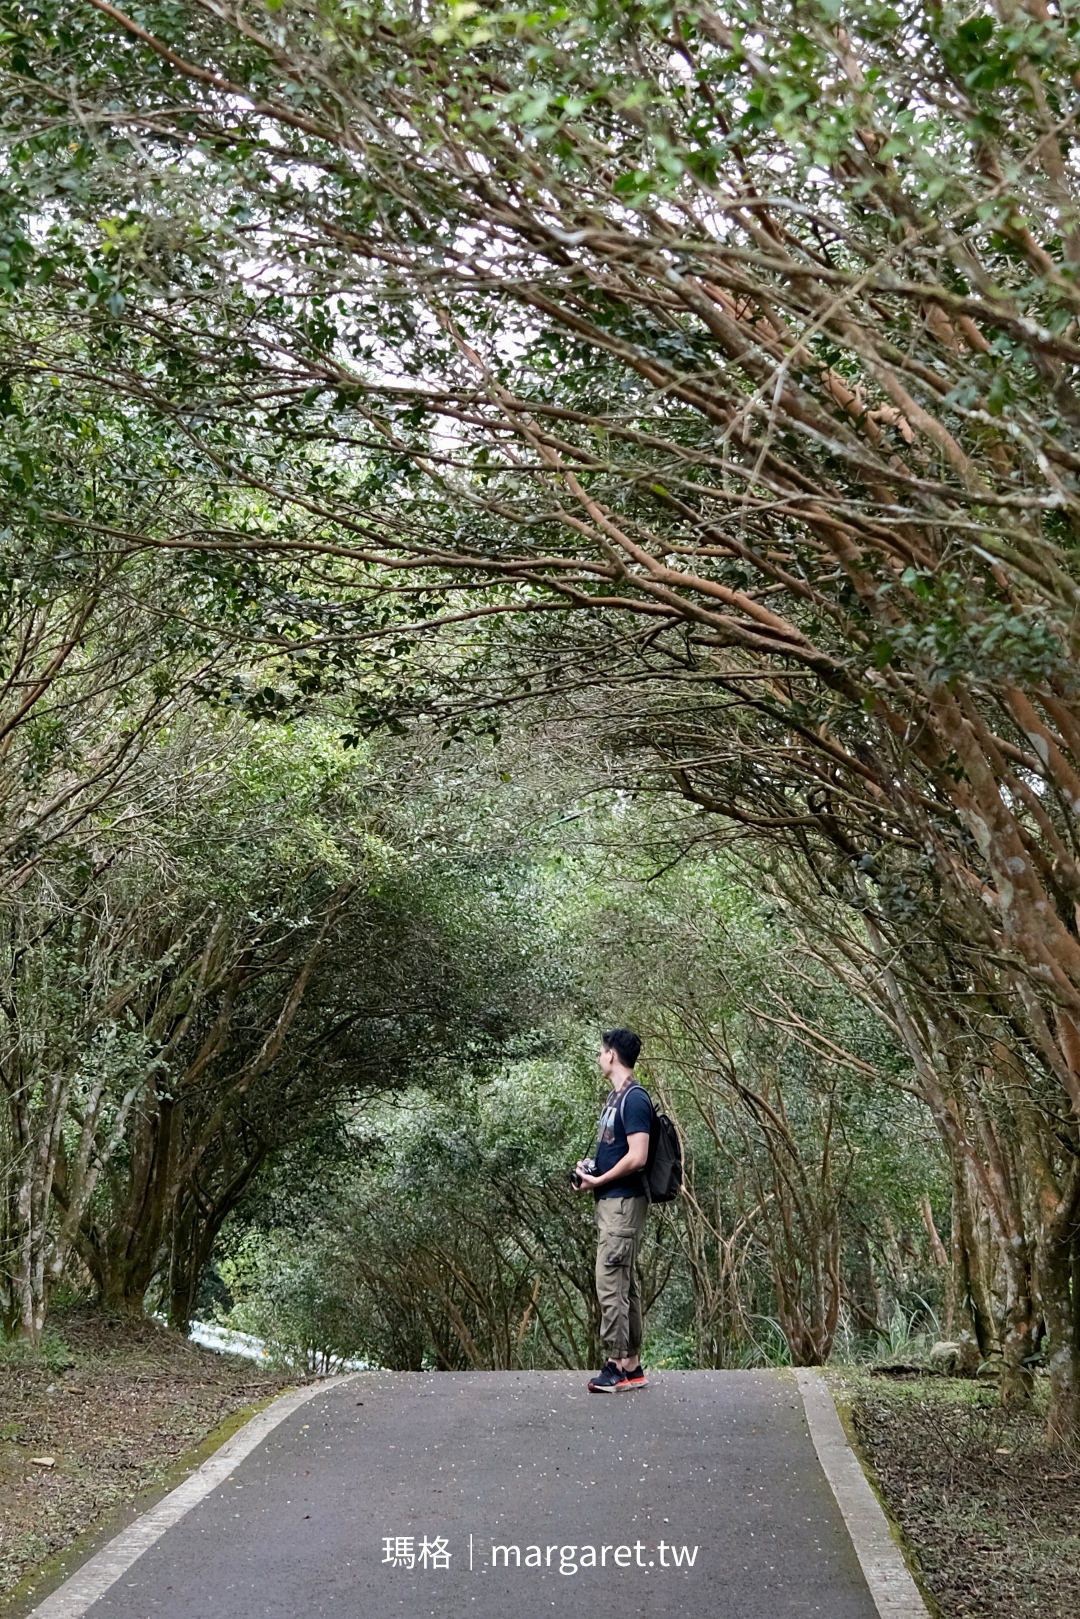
x=609, y=1380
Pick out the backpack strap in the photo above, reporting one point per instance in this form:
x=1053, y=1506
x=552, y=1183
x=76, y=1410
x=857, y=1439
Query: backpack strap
x=625, y=1093
x=644, y=1171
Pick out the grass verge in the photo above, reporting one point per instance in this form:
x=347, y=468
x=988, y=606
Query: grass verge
x=123, y=1410
x=991, y=1515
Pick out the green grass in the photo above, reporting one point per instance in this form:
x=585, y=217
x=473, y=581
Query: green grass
x=991, y=1514
x=53, y=1352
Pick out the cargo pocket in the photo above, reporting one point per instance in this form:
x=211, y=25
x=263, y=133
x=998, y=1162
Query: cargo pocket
x=617, y=1254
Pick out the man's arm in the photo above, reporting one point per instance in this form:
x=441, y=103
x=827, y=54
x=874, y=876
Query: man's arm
x=636, y=1156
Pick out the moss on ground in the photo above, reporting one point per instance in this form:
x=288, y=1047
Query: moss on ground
x=991, y=1515
x=124, y=1410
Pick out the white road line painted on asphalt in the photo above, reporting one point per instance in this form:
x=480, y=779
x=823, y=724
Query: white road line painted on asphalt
x=895, y=1594
x=93, y=1579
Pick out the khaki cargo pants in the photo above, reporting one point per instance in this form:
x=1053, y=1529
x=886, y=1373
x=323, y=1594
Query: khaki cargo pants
x=620, y=1222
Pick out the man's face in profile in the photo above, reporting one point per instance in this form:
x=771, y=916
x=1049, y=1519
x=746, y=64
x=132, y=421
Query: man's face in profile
x=606, y=1060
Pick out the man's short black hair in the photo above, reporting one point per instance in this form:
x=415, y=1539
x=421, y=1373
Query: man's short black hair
x=624, y=1043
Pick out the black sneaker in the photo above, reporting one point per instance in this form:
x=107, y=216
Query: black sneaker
x=635, y=1379
x=609, y=1381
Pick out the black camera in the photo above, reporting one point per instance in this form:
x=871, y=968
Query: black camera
x=589, y=1166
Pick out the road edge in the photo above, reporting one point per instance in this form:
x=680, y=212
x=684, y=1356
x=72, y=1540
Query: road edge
x=895, y=1594
x=89, y=1582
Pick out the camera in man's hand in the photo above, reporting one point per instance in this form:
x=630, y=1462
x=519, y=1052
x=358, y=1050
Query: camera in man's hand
x=588, y=1165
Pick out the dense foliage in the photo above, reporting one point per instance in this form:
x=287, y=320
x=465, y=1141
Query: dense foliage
x=195, y=983
x=732, y=351
x=442, y=1230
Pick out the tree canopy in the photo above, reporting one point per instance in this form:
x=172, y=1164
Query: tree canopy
x=702, y=377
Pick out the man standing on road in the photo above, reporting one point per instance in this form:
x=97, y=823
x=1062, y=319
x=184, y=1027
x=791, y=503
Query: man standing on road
x=616, y=1181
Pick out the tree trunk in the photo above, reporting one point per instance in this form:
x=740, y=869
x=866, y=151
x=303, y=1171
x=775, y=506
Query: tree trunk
x=123, y=1292
x=189, y=1253
x=1060, y=1294
x=124, y=1255
x=968, y=1320
x=1059, y=1297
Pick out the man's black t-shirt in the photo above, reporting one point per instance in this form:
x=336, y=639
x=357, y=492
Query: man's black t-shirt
x=616, y=1123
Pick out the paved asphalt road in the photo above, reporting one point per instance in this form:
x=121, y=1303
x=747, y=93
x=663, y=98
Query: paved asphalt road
x=711, y=1470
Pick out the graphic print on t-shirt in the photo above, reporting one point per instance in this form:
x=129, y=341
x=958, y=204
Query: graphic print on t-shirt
x=616, y=1123
x=606, y=1134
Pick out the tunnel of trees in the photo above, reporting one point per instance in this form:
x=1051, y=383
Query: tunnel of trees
x=515, y=521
